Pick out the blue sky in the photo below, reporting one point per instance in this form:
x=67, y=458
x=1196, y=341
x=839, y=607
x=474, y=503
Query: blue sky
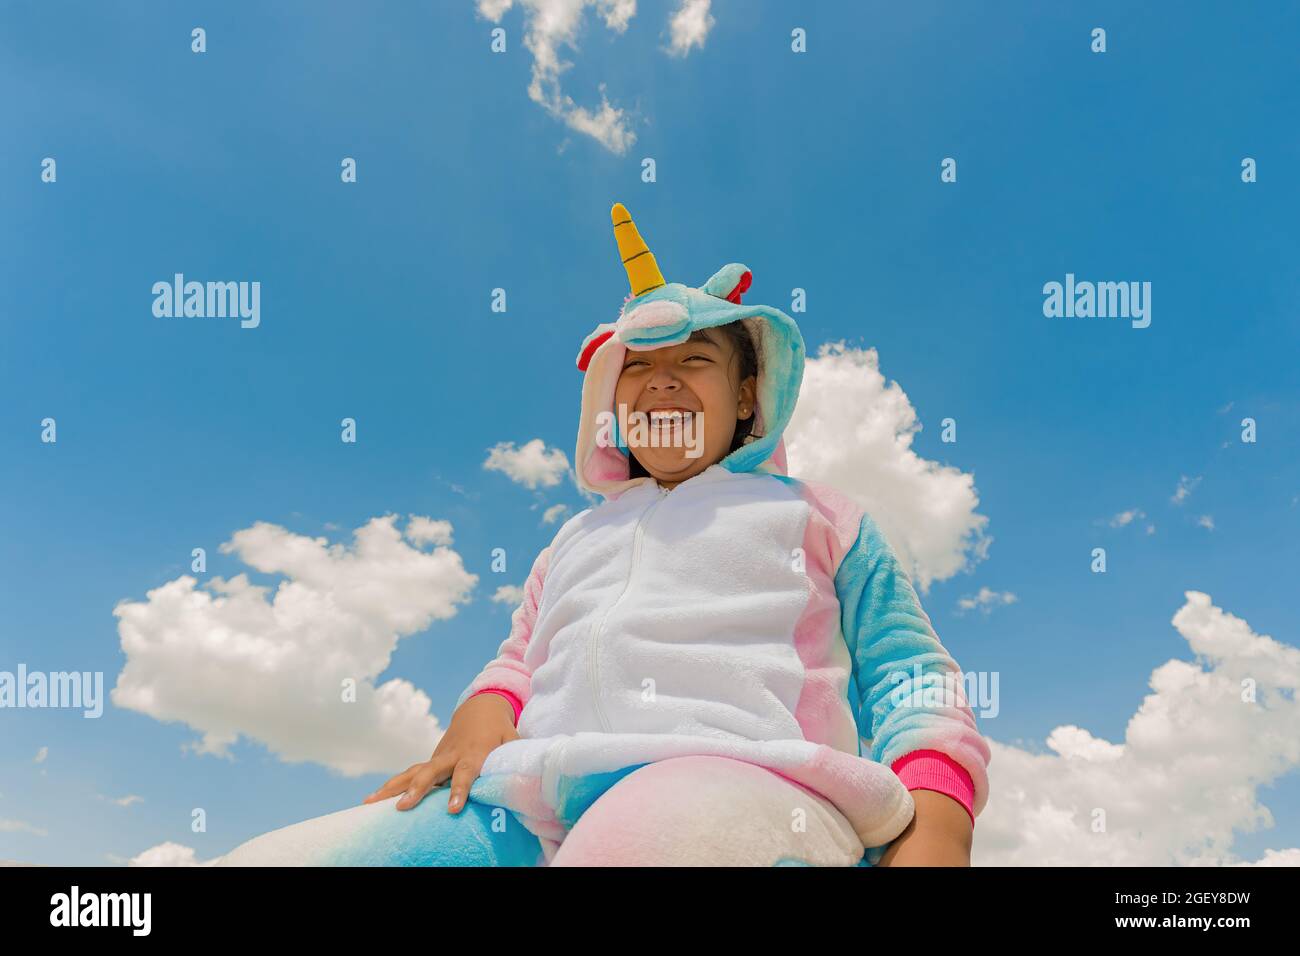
x=817, y=170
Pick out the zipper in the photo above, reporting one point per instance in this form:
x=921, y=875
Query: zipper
x=595, y=633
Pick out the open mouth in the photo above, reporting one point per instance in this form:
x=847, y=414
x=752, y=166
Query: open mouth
x=670, y=417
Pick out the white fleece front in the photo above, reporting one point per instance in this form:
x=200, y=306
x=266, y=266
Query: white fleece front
x=675, y=612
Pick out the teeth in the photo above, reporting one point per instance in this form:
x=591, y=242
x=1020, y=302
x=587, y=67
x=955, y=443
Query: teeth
x=668, y=415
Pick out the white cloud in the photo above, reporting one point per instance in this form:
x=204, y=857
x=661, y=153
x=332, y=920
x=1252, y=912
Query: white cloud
x=607, y=125
x=41, y=755
x=1289, y=857
x=128, y=800
x=853, y=431
x=690, y=25
x=1185, y=488
x=421, y=530
x=168, y=854
x=531, y=465
x=511, y=594
x=20, y=826
x=237, y=661
x=986, y=600
x=1206, y=521
x=1126, y=518
x=553, y=513
x=550, y=25
x=1186, y=777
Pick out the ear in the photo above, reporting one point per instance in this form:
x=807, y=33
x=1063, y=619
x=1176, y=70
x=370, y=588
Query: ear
x=748, y=398
x=729, y=282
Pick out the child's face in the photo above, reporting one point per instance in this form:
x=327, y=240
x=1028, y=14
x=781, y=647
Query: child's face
x=700, y=377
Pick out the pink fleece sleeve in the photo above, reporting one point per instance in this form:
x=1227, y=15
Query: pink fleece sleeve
x=509, y=673
x=514, y=701
x=933, y=770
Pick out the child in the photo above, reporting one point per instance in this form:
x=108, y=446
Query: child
x=697, y=660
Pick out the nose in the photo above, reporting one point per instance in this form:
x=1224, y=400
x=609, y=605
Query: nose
x=663, y=380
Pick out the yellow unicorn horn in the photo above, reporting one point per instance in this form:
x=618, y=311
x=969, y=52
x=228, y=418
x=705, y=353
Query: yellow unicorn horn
x=642, y=271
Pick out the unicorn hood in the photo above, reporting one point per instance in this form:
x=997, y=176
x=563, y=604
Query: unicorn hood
x=659, y=314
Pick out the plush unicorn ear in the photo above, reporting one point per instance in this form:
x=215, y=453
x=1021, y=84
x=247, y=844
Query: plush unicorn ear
x=592, y=342
x=729, y=282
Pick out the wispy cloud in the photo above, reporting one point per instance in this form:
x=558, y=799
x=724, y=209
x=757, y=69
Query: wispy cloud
x=20, y=826
x=551, y=25
x=553, y=513
x=1125, y=518
x=985, y=601
x=126, y=801
x=1185, y=488
x=1206, y=522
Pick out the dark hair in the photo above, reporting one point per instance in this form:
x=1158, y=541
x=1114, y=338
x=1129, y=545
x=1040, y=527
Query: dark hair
x=743, y=346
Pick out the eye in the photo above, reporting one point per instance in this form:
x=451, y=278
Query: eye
x=635, y=362
x=697, y=356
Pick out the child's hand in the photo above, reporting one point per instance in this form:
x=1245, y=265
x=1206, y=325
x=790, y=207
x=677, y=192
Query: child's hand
x=479, y=726
x=940, y=834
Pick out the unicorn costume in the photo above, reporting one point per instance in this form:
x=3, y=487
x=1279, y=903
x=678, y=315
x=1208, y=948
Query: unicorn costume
x=744, y=614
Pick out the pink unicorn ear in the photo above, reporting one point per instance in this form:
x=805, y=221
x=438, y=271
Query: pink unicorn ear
x=729, y=282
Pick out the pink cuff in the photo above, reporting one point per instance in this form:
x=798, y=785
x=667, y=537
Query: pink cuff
x=514, y=701
x=934, y=770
